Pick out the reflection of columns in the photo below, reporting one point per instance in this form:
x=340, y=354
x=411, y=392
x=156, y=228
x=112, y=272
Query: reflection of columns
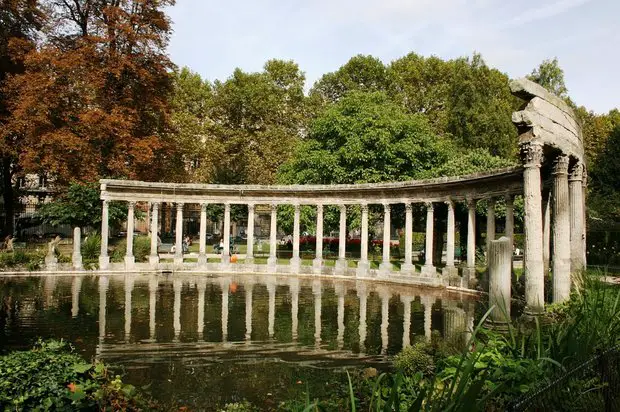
x=104, y=259
x=341, y=264
x=177, y=284
x=129, y=258
x=385, y=295
x=76, y=287
x=271, y=289
x=575, y=187
x=362, y=294
x=532, y=156
x=224, y=284
x=340, y=290
x=249, y=255
x=226, y=250
x=490, y=222
x=406, y=319
x=294, y=290
x=129, y=282
x=154, y=256
x=295, y=261
x=407, y=267
x=317, y=263
x=561, y=231
x=103, y=290
x=249, y=287
x=363, y=265
x=546, y=230
x=428, y=302
x=202, y=245
x=386, y=265
x=178, y=252
x=76, y=259
x=316, y=292
x=153, y=284
x=428, y=269
x=273, y=234
x=202, y=287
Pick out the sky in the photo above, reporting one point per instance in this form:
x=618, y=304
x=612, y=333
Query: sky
x=214, y=37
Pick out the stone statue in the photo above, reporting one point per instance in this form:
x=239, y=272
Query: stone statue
x=51, y=246
x=8, y=244
x=51, y=261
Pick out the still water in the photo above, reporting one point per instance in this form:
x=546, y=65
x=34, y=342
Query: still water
x=204, y=340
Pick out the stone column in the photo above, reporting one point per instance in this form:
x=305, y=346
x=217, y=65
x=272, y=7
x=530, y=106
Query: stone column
x=500, y=274
x=490, y=222
x=202, y=288
x=561, y=231
x=362, y=294
x=224, y=285
x=104, y=259
x=385, y=296
x=177, y=285
x=407, y=268
x=510, y=218
x=584, y=194
x=428, y=269
x=294, y=290
x=295, y=261
x=273, y=235
x=249, y=288
x=363, y=265
x=317, y=263
x=178, y=252
x=103, y=291
x=575, y=188
x=450, y=270
x=226, y=234
x=341, y=264
x=77, y=249
x=317, y=293
x=129, y=282
x=469, y=271
x=341, y=291
x=271, y=289
x=129, y=258
x=428, y=302
x=153, y=285
x=532, y=155
x=154, y=256
x=406, y=319
x=76, y=287
x=249, y=255
x=202, y=236
x=386, y=266
x=546, y=230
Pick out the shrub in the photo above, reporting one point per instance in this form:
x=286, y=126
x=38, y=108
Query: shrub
x=91, y=247
x=29, y=260
x=414, y=359
x=52, y=377
x=141, y=249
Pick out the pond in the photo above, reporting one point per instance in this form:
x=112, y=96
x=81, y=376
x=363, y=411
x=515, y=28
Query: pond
x=204, y=340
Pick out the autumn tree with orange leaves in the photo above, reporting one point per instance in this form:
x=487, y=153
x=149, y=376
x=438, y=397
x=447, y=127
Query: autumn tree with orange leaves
x=92, y=100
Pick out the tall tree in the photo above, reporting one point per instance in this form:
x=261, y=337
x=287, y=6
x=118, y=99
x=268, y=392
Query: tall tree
x=550, y=75
x=20, y=22
x=93, y=100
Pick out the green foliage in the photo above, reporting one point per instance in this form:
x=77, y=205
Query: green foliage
x=91, y=247
x=550, y=75
x=469, y=162
x=416, y=359
x=141, y=249
x=244, y=406
x=80, y=206
x=20, y=259
x=52, y=377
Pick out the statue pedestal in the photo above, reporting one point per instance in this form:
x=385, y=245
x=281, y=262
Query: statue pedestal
x=51, y=262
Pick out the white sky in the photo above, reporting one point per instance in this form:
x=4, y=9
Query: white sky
x=216, y=36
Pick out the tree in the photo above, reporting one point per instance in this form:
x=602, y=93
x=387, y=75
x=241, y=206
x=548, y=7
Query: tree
x=20, y=22
x=93, y=99
x=550, y=75
x=80, y=206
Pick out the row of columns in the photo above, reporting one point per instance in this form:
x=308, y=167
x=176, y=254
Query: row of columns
x=450, y=311
x=557, y=220
x=363, y=265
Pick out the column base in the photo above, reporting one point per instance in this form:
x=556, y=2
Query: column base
x=178, y=260
x=362, y=268
x=272, y=263
x=385, y=268
x=407, y=269
x=429, y=271
x=317, y=265
x=104, y=262
x=225, y=259
x=469, y=277
x=294, y=265
x=77, y=262
x=451, y=276
x=154, y=260
x=341, y=265
x=249, y=260
x=130, y=262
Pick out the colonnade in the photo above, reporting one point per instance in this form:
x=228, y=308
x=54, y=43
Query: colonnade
x=456, y=320
x=427, y=270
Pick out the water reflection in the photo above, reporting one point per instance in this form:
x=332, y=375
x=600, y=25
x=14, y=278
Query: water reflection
x=227, y=324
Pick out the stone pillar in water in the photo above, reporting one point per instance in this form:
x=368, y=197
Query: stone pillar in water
x=500, y=264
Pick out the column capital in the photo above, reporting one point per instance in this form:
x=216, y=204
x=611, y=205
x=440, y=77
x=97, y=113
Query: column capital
x=387, y=207
x=408, y=206
x=297, y=206
x=471, y=203
x=319, y=207
x=155, y=205
x=203, y=207
x=429, y=206
x=274, y=207
x=179, y=204
x=131, y=204
x=531, y=154
x=250, y=206
x=364, y=207
x=106, y=203
x=491, y=202
x=343, y=208
x=560, y=165
x=509, y=198
x=450, y=203
x=576, y=172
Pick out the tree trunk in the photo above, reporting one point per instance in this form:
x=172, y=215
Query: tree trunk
x=8, y=197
